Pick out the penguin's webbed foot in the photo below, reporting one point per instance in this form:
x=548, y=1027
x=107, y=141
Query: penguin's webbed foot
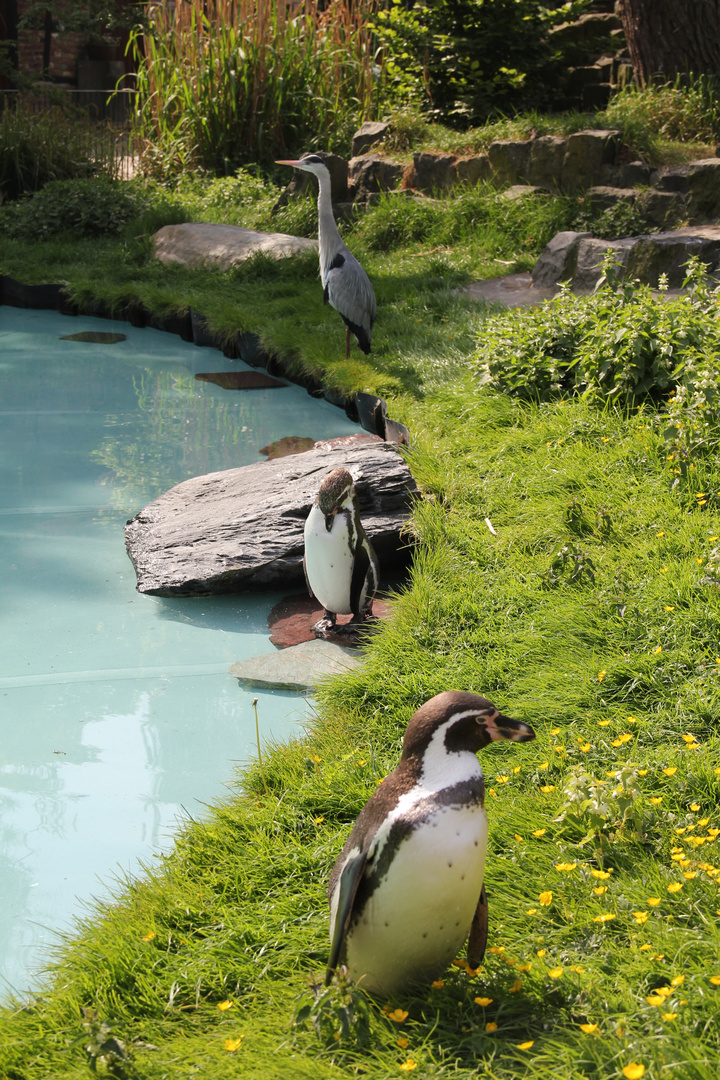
x=323, y=626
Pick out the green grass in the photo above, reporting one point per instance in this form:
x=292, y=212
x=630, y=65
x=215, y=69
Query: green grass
x=238, y=912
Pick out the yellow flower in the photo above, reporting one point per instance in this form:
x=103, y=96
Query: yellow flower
x=601, y=675
x=545, y=898
x=544, y=765
x=516, y=986
x=531, y=911
x=547, y=787
x=615, y=742
x=577, y=969
x=695, y=807
x=600, y=889
x=539, y=832
x=437, y=984
x=588, y=1029
x=604, y=723
x=483, y=1001
x=642, y=772
x=525, y=1045
x=318, y=820
x=715, y=980
x=602, y=874
x=541, y=952
x=675, y=886
x=657, y=800
x=149, y=936
x=491, y=1026
x=688, y=738
x=603, y=918
x=653, y=901
x=518, y=837
x=669, y=1016
x=640, y=917
x=565, y=866
x=633, y=1071
x=398, y=1015
x=408, y=1066
x=585, y=746
x=555, y=973
x=645, y=947
x=555, y=731
x=657, y=650
x=223, y=1005
x=678, y=980
x=232, y=1045
x=524, y=967
x=403, y=1043
x=690, y=874
x=501, y=779
x=655, y=999
x=671, y=770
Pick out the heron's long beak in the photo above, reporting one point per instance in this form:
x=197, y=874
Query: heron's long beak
x=295, y=164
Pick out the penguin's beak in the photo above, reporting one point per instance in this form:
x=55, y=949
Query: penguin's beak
x=504, y=727
x=329, y=518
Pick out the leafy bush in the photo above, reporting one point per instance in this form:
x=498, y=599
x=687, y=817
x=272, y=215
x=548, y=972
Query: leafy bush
x=92, y=207
x=621, y=344
x=37, y=147
x=622, y=219
x=465, y=61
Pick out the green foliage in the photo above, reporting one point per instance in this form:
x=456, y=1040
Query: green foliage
x=622, y=344
x=464, y=61
x=622, y=219
x=606, y=811
x=683, y=111
x=249, y=82
x=37, y=147
x=92, y=207
x=337, y=1013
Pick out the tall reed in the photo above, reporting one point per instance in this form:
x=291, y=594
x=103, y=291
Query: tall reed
x=228, y=82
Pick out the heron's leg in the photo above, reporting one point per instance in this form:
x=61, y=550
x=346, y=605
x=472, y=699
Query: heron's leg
x=347, y=342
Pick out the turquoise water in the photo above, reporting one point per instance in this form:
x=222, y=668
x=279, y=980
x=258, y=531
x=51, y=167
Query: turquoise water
x=117, y=716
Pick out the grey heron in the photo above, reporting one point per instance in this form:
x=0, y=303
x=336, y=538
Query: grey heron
x=346, y=286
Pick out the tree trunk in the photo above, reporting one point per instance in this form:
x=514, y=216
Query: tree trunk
x=666, y=38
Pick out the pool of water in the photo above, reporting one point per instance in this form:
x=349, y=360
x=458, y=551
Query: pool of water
x=117, y=716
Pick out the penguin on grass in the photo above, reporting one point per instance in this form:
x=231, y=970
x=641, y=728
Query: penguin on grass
x=341, y=567
x=407, y=889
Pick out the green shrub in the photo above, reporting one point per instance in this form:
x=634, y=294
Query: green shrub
x=621, y=344
x=465, y=61
x=91, y=207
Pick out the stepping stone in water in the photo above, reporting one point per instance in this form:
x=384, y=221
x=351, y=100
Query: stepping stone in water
x=300, y=667
x=239, y=380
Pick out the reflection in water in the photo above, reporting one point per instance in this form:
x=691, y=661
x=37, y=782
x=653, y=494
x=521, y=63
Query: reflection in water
x=117, y=715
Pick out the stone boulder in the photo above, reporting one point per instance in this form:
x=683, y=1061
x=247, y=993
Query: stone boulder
x=433, y=173
x=585, y=155
x=698, y=182
x=224, y=246
x=546, y=161
x=302, y=181
x=242, y=529
x=510, y=161
x=369, y=175
x=368, y=135
x=558, y=259
x=472, y=170
x=603, y=197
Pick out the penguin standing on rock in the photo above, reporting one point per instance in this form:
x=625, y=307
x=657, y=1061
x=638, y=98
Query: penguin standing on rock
x=341, y=567
x=408, y=885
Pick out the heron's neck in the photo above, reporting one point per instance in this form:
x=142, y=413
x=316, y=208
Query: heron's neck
x=328, y=235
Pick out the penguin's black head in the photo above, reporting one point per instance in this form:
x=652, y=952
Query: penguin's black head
x=468, y=722
x=334, y=490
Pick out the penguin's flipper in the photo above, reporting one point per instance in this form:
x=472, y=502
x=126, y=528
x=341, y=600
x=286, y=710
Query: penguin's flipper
x=361, y=565
x=478, y=932
x=347, y=888
x=307, y=580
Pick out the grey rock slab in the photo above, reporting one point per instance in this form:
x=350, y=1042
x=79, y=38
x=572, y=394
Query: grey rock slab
x=368, y=135
x=201, y=243
x=299, y=667
x=512, y=290
x=242, y=529
x=586, y=153
x=558, y=259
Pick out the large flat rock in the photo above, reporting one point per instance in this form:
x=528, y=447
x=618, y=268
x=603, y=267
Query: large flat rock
x=242, y=529
x=199, y=243
x=300, y=667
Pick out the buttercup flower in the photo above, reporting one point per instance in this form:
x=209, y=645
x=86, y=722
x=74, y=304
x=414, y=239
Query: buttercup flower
x=600, y=889
x=149, y=936
x=671, y=770
x=398, y=1015
x=483, y=1001
x=669, y=1016
x=653, y=901
x=231, y=1045
x=675, y=886
x=565, y=866
x=539, y=832
x=547, y=787
x=588, y=1029
x=408, y=1066
x=602, y=874
x=555, y=973
x=438, y=984
x=223, y=1005
x=633, y=1071
x=604, y=918
x=491, y=1026
x=525, y=1045
x=545, y=898
x=715, y=980
x=403, y=1043
x=640, y=917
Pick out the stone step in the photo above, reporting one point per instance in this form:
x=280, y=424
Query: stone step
x=300, y=667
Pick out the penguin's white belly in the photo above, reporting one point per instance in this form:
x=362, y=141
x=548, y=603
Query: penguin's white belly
x=420, y=913
x=329, y=560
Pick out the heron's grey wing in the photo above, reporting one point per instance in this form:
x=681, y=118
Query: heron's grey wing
x=347, y=887
x=478, y=932
x=349, y=291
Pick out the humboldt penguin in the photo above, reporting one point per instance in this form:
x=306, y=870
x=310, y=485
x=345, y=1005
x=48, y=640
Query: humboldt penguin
x=408, y=887
x=341, y=567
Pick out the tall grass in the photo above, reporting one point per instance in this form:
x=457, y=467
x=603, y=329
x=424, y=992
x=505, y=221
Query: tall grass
x=244, y=80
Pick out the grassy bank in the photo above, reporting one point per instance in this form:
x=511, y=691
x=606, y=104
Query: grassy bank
x=604, y=940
